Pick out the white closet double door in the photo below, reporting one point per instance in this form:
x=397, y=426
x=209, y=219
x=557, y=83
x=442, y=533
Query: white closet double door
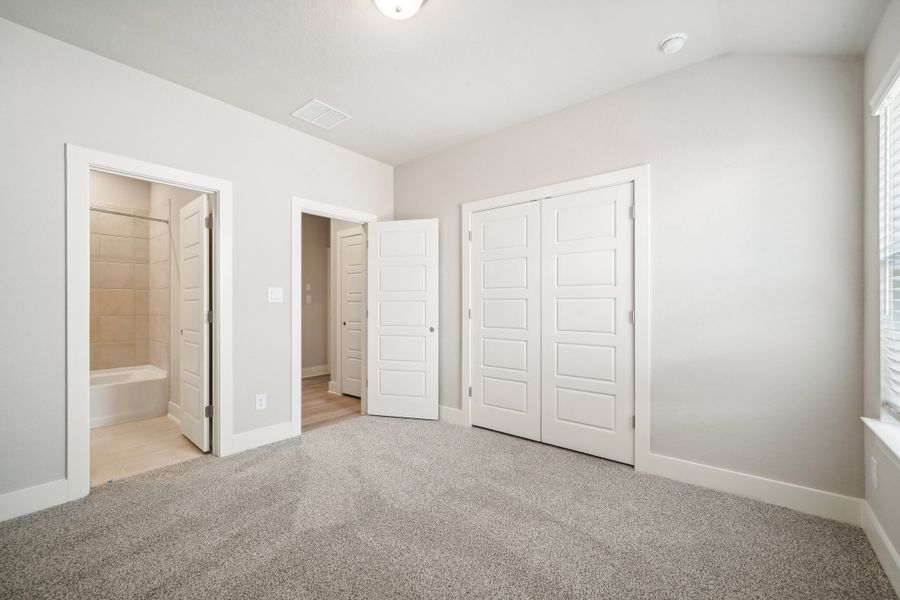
x=551, y=323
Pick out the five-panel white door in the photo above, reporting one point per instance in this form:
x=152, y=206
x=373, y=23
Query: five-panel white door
x=194, y=334
x=402, y=293
x=552, y=339
x=351, y=285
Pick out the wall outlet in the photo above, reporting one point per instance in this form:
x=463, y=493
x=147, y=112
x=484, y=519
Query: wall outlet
x=308, y=299
x=261, y=400
x=873, y=471
x=275, y=295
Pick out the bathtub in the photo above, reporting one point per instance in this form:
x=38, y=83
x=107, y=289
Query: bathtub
x=128, y=393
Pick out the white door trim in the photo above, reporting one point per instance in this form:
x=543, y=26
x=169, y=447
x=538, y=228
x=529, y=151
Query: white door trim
x=299, y=206
x=639, y=176
x=79, y=163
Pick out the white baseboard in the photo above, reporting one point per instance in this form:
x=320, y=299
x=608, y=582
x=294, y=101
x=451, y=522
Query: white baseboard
x=884, y=549
x=29, y=500
x=136, y=415
x=454, y=416
x=797, y=497
x=334, y=387
x=314, y=371
x=261, y=437
x=174, y=411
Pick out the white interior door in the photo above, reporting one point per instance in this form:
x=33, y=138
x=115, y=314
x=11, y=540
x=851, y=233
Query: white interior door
x=587, y=333
x=402, y=291
x=194, y=339
x=351, y=305
x=506, y=319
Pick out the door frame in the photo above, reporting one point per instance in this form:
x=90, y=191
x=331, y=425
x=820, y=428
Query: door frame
x=639, y=177
x=79, y=164
x=338, y=316
x=299, y=206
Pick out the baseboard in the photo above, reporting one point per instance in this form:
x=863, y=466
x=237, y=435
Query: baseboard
x=454, y=416
x=797, y=497
x=334, y=387
x=881, y=544
x=32, y=499
x=261, y=437
x=124, y=418
x=315, y=371
x=175, y=411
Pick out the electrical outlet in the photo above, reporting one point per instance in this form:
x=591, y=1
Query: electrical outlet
x=873, y=471
x=308, y=299
x=275, y=295
x=261, y=401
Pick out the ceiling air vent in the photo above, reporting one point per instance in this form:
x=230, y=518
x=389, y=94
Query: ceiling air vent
x=320, y=114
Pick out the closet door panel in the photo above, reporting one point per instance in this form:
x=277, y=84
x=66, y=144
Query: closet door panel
x=587, y=336
x=506, y=351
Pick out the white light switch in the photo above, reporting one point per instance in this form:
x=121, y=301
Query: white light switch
x=308, y=299
x=308, y=287
x=276, y=295
x=261, y=400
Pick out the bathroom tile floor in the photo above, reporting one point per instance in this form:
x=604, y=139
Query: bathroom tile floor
x=126, y=449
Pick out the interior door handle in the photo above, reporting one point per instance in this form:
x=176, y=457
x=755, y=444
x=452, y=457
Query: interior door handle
x=345, y=323
x=431, y=329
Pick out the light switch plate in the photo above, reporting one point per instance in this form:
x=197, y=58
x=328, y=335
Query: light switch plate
x=276, y=295
x=308, y=299
x=261, y=400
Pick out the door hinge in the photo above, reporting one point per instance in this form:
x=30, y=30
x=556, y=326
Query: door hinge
x=209, y=316
x=470, y=313
x=632, y=421
x=631, y=213
x=208, y=411
x=470, y=235
x=631, y=316
x=208, y=221
x=470, y=391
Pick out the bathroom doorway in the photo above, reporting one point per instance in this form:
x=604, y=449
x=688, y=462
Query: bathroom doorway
x=150, y=340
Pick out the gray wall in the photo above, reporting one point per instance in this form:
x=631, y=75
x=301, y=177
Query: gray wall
x=756, y=234
x=316, y=235
x=883, y=51
x=55, y=94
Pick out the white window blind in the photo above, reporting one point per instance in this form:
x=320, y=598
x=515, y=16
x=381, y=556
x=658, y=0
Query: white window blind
x=889, y=232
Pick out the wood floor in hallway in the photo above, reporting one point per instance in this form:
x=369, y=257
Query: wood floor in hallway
x=321, y=408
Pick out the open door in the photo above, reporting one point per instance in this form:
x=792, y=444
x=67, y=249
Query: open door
x=402, y=357
x=194, y=298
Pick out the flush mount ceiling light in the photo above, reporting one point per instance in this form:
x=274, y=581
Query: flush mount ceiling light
x=673, y=43
x=399, y=9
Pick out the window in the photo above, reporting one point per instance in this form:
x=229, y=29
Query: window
x=889, y=232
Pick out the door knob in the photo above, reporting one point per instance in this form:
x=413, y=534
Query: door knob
x=345, y=323
x=431, y=329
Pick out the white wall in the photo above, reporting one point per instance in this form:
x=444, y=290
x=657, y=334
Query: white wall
x=756, y=235
x=881, y=56
x=55, y=94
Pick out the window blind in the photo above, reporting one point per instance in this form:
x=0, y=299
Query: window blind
x=889, y=232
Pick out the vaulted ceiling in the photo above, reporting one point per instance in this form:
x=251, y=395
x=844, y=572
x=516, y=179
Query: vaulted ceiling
x=457, y=70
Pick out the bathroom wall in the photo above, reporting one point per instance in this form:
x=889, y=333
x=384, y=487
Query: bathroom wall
x=315, y=236
x=159, y=277
x=119, y=273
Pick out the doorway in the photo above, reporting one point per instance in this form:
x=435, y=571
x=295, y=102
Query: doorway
x=212, y=364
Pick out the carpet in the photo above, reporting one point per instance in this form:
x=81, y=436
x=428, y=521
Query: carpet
x=394, y=508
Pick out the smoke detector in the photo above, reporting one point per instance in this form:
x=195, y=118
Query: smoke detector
x=320, y=114
x=673, y=43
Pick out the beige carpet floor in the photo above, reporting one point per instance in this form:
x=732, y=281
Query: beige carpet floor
x=392, y=508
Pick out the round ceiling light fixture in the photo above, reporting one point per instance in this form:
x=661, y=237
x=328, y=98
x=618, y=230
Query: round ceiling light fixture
x=399, y=9
x=673, y=43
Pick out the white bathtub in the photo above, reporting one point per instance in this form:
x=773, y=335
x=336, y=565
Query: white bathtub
x=128, y=393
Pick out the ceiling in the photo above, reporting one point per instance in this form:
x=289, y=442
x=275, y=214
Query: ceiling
x=457, y=70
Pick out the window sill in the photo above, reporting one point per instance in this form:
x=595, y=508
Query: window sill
x=888, y=433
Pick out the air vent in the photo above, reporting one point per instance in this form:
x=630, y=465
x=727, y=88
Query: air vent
x=320, y=114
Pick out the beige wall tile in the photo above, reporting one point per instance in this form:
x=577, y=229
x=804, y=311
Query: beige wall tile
x=95, y=245
x=159, y=328
x=95, y=274
x=95, y=302
x=114, y=355
x=159, y=275
x=95, y=222
x=141, y=228
x=159, y=355
x=116, y=275
x=116, y=249
x=142, y=302
x=117, y=329
x=141, y=250
x=116, y=303
x=142, y=352
x=116, y=225
x=141, y=328
x=159, y=302
x=142, y=277
x=95, y=329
